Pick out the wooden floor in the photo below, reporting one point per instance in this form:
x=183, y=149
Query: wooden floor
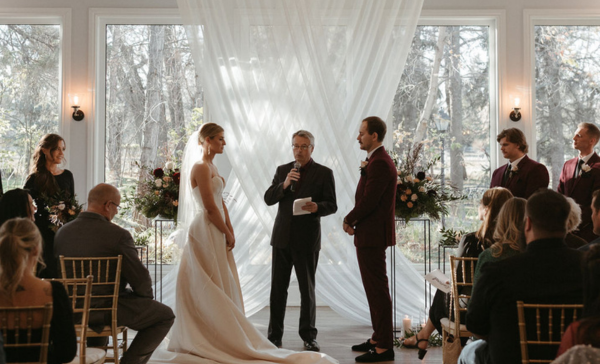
x=336, y=335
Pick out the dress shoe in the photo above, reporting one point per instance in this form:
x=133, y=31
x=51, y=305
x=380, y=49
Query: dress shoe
x=312, y=345
x=372, y=357
x=276, y=343
x=366, y=346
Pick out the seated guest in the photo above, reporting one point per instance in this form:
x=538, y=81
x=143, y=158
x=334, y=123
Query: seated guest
x=471, y=245
x=509, y=238
x=92, y=234
x=16, y=203
x=587, y=330
x=573, y=241
x=20, y=251
x=546, y=272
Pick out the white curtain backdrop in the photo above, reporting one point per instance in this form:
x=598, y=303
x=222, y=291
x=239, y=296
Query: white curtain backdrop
x=272, y=67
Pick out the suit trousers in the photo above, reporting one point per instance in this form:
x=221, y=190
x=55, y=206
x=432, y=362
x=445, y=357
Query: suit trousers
x=305, y=266
x=151, y=319
x=371, y=262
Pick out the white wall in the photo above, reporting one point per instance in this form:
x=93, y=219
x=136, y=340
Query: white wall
x=512, y=80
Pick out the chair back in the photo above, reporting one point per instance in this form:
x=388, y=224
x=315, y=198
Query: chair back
x=463, y=271
x=79, y=291
x=106, y=273
x=26, y=332
x=541, y=327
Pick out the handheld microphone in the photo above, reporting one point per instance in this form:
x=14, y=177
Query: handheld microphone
x=297, y=166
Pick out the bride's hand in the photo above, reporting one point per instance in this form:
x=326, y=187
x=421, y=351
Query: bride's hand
x=230, y=240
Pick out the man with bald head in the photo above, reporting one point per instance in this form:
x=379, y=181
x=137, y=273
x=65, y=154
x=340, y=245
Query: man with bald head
x=92, y=234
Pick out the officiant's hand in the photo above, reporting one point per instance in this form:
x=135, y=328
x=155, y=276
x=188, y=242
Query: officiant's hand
x=310, y=207
x=294, y=175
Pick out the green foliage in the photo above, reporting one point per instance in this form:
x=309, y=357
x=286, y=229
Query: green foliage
x=451, y=237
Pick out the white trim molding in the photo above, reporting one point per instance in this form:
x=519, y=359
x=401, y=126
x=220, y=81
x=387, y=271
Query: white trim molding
x=62, y=18
x=99, y=18
x=496, y=20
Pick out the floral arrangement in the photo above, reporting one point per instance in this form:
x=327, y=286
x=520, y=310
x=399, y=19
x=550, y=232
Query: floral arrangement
x=417, y=193
x=62, y=208
x=159, y=194
x=451, y=237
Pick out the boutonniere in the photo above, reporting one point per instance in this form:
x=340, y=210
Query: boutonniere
x=514, y=170
x=585, y=168
x=363, y=168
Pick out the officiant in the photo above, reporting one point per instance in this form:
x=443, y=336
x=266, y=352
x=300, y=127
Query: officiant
x=296, y=238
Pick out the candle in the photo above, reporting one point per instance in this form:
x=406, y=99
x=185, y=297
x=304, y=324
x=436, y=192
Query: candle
x=406, y=324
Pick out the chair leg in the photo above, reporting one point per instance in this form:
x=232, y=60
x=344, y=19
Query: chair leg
x=125, y=341
x=115, y=346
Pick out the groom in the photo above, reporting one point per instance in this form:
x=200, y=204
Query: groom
x=296, y=239
x=373, y=226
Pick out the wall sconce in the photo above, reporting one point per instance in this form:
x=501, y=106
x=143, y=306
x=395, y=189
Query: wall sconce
x=515, y=115
x=77, y=113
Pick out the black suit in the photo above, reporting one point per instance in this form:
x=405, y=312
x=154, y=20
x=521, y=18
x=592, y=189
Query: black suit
x=547, y=272
x=296, y=242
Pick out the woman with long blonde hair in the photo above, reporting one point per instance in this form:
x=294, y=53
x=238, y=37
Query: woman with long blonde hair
x=20, y=251
x=509, y=236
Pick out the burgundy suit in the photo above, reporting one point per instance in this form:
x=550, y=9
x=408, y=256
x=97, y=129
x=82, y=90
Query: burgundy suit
x=530, y=177
x=374, y=230
x=580, y=189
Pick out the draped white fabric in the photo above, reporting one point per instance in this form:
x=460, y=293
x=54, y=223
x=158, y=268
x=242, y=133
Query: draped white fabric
x=270, y=68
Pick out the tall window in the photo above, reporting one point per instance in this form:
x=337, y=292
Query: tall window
x=29, y=94
x=443, y=101
x=154, y=99
x=567, y=91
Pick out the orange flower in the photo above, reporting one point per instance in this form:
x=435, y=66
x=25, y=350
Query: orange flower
x=409, y=204
x=408, y=191
x=403, y=197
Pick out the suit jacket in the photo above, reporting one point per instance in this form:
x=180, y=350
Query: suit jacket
x=547, y=272
x=530, y=177
x=373, y=213
x=92, y=235
x=581, y=189
x=301, y=232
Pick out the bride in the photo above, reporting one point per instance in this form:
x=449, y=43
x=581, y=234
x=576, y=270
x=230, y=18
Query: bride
x=211, y=323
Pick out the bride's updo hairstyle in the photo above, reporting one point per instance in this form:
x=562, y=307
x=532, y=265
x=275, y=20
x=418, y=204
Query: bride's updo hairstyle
x=208, y=130
x=18, y=238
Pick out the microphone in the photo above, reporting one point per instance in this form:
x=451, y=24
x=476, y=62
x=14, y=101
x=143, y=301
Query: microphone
x=297, y=166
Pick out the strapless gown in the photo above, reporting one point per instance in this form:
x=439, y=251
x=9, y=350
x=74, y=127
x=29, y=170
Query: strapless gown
x=211, y=326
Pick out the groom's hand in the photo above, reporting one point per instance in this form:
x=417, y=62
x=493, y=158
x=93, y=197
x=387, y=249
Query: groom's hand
x=348, y=229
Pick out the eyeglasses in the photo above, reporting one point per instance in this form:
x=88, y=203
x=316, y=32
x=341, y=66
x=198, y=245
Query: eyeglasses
x=303, y=147
x=117, y=206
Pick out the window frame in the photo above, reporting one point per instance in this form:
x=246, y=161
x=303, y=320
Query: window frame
x=99, y=19
x=62, y=18
x=532, y=18
x=496, y=20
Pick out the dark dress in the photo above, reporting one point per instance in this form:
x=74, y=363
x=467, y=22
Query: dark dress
x=63, y=341
x=66, y=186
x=469, y=247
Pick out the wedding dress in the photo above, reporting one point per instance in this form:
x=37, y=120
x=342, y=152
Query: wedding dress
x=210, y=324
